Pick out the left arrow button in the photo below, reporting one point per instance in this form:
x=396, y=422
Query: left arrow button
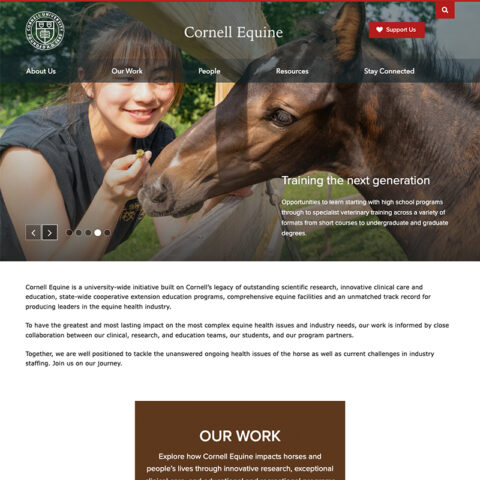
x=32, y=232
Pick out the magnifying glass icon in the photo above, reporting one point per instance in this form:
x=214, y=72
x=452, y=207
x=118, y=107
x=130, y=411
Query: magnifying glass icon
x=444, y=10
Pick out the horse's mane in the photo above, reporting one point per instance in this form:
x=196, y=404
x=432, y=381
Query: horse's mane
x=432, y=63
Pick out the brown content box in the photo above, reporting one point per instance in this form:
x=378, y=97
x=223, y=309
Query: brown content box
x=303, y=428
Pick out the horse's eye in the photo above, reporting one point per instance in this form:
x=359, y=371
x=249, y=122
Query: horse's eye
x=282, y=118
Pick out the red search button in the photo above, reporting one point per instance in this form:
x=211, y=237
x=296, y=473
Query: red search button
x=445, y=10
x=396, y=30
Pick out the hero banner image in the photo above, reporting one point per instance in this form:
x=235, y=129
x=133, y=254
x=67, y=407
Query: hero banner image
x=239, y=131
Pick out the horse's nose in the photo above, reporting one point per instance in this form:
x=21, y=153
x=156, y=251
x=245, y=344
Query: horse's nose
x=159, y=191
x=155, y=193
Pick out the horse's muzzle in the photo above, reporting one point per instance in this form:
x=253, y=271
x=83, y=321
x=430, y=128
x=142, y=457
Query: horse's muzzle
x=157, y=200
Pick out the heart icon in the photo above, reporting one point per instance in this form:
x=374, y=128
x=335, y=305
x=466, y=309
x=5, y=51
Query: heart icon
x=379, y=29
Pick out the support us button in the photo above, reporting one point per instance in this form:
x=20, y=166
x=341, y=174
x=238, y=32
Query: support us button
x=396, y=30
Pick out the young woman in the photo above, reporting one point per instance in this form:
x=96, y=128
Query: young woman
x=75, y=165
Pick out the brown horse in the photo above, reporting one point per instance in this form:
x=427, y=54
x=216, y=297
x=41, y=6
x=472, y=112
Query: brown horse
x=356, y=129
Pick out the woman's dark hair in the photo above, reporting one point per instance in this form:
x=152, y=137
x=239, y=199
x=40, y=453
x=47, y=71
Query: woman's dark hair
x=111, y=38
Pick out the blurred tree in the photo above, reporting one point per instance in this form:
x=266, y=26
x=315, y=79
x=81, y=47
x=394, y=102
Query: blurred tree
x=14, y=16
x=197, y=100
x=403, y=12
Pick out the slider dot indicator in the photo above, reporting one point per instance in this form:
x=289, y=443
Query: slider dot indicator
x=97, y=232
x=107, y=233
x=78, y=233
x=88, y=232
x=68, y=233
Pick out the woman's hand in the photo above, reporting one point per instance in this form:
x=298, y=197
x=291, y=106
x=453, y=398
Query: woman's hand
x=124, y=177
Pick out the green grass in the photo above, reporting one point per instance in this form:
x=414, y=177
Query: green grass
x=142, y=245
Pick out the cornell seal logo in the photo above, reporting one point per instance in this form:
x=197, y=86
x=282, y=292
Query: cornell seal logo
x=45, y=30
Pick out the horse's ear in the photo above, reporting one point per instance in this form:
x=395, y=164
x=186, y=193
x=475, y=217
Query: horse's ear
x=348, y=30
x=330, y=17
